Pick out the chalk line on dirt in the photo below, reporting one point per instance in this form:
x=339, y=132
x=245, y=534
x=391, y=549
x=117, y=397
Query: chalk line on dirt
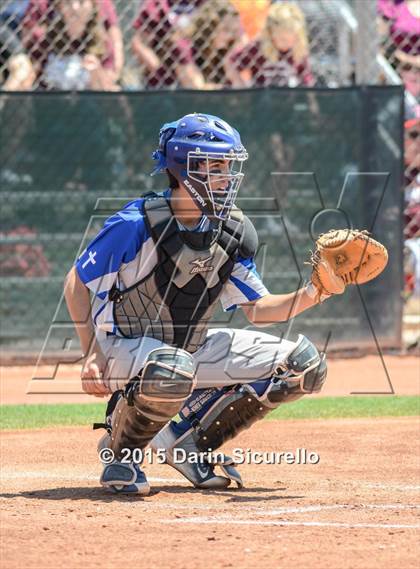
x=402, y=487
x=319, y=508
x=227, y=518
x=230, y=521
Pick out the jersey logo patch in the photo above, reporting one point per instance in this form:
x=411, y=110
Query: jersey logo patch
x=90, y=259
x=200, y=265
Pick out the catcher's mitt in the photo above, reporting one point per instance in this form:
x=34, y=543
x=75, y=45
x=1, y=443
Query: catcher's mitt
x=343, y=257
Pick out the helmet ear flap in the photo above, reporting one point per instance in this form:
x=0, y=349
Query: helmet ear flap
x=165, y=137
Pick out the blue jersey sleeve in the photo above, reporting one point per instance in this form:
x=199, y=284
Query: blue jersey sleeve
x=244, y=285
x=118, y=242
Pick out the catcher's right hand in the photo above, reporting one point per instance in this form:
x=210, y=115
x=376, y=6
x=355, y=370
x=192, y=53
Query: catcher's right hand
x=343, y=257
x=93, y=382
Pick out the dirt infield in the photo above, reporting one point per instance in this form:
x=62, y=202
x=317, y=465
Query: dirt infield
x=367, y=374
x=357, y=508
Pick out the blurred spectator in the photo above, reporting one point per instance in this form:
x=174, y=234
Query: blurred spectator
x=411, y=151
x=401, y=37
x=22, y=259
x=17, y=73
x=403, y=23
x=16, y=70
x=279, y=56
x=253, y=15
x=163, y=54
x=74, y=44
x=409, y=71
x=412, y=207
x=412, y=178
x=215, y=29
x=12, y=12
x=183, y=9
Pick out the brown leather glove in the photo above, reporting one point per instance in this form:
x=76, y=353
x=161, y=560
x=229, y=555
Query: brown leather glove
x=343, y=257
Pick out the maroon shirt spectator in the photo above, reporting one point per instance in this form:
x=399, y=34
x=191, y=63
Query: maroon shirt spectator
x=279, y=56
x=162, y=51
x=283, y=72
x=215, y=30
x=44, y=33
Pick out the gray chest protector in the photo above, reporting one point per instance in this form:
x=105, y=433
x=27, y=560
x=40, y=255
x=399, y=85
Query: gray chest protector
x=176, y=300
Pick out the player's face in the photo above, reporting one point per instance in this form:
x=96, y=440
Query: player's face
x=217, y=177
x=218, y=170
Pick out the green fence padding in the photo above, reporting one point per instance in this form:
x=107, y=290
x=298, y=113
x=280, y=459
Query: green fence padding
x=68, y=160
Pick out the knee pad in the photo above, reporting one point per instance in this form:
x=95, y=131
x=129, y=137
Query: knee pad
x=151, y=398
x=305, y=367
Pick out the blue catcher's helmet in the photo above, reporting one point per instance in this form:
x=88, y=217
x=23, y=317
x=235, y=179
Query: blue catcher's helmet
x=205, y=154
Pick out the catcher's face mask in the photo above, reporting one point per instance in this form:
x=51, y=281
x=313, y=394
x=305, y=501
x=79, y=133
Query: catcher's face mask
x=205, y=154
x=216, y=178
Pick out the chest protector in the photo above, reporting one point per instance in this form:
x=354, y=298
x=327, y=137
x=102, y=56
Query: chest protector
x=176, y=300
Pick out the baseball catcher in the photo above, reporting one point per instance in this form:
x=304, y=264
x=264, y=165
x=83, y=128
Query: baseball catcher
x=157, y=272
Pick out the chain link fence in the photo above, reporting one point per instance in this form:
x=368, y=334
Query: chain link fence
x=399, y=36
x=212, y=44
x=48, y=171
x=79, y=158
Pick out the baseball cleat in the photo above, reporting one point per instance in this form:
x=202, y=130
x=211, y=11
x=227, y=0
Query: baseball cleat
x=182, y=454
x=125, y=479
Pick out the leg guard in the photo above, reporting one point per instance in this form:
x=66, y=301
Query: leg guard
x=214, y=416
x=236, y=409
x=151, y=399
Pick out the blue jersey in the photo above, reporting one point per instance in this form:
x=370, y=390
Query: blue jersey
x=123, y=253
